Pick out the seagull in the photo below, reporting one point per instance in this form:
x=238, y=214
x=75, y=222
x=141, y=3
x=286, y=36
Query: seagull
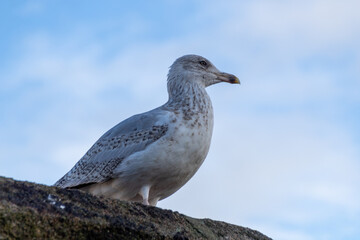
x=150, y=156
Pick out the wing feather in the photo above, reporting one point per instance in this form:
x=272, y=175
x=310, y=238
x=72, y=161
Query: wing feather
x=132, y=135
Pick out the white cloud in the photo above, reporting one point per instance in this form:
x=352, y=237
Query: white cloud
x=318, y=22
x=316, y=25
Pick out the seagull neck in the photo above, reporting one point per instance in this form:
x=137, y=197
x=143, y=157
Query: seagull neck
x=189, y=95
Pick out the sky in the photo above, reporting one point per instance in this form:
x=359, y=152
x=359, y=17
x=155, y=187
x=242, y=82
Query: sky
x=285, y=152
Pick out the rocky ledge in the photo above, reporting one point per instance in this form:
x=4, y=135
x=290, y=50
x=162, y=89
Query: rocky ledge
x=34, y=211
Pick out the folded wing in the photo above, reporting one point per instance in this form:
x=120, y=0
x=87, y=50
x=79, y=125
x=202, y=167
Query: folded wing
x=132, y=135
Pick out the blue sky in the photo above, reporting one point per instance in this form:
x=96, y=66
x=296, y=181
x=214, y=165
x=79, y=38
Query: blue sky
x=285, y=154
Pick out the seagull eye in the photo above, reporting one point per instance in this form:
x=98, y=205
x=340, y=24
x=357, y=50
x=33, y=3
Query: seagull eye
x=203, y=63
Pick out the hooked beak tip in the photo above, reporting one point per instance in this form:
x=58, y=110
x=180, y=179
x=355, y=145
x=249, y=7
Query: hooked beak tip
x=234, y=80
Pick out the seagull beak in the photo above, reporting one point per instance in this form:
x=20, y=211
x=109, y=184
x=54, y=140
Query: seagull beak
x=226, y=77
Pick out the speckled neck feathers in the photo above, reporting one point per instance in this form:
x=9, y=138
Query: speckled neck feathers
x=188, y=96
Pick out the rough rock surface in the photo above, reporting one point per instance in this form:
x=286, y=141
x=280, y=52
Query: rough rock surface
x=34, y=211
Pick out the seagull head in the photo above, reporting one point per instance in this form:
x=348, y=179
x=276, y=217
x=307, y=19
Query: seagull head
x=197, y=69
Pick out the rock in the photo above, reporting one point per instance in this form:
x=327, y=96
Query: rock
x=34, y=211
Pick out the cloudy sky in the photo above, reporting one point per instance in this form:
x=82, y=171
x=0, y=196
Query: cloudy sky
x=285, y=154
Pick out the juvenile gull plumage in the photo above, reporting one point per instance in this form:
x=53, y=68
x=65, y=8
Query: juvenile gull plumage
x=149, y=156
